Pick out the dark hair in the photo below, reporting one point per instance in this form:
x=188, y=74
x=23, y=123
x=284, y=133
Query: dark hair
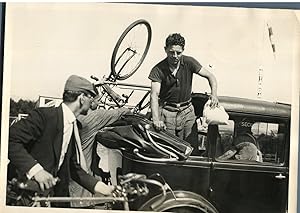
x=70, y=96
x=175, y=39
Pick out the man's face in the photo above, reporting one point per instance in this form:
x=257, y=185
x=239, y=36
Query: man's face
x=86, y=103
x=95, y=103
x=174, y=54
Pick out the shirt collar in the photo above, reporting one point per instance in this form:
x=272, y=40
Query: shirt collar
x=69, y=116
x=182, y=60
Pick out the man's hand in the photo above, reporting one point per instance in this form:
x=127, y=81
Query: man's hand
x=104, y=189
x=159, y=125
x=45, y=179
x=214, y=101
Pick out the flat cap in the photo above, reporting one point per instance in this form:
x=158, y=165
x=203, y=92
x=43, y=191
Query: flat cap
x=79, y=84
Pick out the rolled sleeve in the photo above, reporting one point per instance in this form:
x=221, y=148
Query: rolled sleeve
x=194, y=65
x=155, y=75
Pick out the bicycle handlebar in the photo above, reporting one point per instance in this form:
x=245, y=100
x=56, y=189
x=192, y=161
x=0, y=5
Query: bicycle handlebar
x=122, y=84
x=119, y=100
x=94, y=78
x=115, y=97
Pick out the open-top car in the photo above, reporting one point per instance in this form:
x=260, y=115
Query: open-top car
x=238, y=167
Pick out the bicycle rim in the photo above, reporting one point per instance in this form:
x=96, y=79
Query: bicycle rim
x=131, y=49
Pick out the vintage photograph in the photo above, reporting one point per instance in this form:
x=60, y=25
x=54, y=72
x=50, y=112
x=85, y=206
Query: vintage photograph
x=149, y=107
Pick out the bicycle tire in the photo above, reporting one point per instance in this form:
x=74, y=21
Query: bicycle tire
x=114, y=72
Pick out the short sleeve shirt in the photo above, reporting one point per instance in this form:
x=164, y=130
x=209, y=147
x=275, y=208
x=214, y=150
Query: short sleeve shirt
x=176, y=88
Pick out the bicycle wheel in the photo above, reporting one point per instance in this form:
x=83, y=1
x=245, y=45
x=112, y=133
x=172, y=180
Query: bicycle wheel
x=131, y=49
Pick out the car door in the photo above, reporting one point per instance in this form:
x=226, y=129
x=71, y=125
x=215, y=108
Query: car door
x=243, y=185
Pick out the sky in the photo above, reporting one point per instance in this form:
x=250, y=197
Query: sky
x=45, y=43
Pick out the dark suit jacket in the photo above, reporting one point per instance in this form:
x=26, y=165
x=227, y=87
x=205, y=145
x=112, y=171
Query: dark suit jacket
x=38, y=139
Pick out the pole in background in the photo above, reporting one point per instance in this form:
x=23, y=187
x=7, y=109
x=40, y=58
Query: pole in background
x=260, y=82
x=271, y=38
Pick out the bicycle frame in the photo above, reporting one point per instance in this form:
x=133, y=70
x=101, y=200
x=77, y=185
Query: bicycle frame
x=130, y=185
x=116, y=98
x=136, y=86
x=38, y=200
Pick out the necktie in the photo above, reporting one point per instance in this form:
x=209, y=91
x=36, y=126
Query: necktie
x=79, y=153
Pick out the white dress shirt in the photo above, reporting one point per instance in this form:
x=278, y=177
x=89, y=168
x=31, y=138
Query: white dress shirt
x=69, y=118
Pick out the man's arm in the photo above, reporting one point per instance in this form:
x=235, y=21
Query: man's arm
x=110, y=116
x=212, y=83
x=21, y=134
x=99, y=118
x=155, y=89
x=87, y=181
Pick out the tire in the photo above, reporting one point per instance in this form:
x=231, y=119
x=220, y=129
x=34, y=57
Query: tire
x=119, y=73
x=185, y=202
x=185, y=209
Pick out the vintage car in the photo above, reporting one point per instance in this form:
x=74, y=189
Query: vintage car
x=242, y=166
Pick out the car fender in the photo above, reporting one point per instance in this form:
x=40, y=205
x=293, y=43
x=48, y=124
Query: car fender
x=179, y=199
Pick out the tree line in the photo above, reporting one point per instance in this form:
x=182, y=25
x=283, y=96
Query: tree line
x=21, y=106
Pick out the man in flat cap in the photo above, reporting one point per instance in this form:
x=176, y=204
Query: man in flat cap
x=94, y=152
x=46, y=146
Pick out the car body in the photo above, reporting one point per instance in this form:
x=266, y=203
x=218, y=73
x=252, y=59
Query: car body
x=232, y=185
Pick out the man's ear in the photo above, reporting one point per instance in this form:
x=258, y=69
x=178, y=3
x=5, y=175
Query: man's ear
x=165, y=49
x=81, y=98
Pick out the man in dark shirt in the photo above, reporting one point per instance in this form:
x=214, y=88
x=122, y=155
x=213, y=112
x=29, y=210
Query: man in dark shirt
x=171, y=88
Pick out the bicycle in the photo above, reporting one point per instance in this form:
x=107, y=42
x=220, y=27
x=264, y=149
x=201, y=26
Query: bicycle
x=131, y=187
x=128, y=55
